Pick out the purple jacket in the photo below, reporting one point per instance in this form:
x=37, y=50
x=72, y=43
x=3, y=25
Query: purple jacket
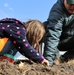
x=16, y=32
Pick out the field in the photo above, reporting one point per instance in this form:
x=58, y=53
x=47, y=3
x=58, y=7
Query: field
x=30, y=68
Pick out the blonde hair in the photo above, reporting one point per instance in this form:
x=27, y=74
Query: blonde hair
x=35, y=32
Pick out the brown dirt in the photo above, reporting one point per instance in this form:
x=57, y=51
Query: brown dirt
x=31, y=68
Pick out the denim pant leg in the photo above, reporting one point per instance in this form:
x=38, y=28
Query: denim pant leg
x=9, y=48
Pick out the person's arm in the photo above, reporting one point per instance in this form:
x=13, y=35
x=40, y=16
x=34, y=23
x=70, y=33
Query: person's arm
x=53, y=32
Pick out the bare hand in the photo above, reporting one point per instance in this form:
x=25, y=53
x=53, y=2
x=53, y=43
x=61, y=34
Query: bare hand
x=45, y=62
x=57, y=61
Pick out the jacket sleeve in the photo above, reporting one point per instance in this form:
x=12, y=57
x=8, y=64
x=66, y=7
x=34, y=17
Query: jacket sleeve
x=53, y=32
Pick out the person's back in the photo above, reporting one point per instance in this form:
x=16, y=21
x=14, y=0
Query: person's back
x=58, y=30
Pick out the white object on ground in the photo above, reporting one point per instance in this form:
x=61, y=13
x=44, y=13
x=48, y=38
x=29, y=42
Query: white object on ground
x=19, y=56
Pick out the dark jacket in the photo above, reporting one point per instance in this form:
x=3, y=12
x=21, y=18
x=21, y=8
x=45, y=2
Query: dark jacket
x=59, y=31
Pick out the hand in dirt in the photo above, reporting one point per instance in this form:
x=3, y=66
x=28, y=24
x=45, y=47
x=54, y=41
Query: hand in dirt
x=45, y=62
x=57, y=61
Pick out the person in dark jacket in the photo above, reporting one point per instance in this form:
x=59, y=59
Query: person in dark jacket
x=15, y=31
x=59, y=30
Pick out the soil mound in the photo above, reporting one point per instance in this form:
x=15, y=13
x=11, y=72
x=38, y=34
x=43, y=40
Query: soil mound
x=30, y=68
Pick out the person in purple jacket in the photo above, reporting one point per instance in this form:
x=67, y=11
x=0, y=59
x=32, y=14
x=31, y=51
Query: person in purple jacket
x=15, y=30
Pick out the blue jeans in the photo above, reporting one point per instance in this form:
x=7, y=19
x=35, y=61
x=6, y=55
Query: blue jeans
x=9, y=48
